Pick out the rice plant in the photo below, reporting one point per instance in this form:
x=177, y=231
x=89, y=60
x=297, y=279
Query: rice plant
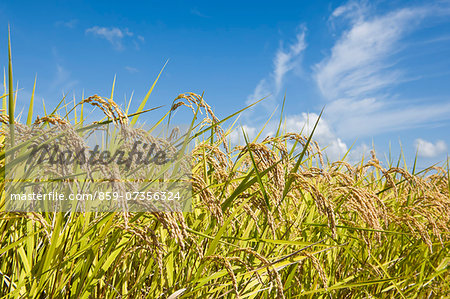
x=271, y=218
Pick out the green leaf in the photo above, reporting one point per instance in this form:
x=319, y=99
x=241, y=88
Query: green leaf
x=144, y=101
x=30, y=109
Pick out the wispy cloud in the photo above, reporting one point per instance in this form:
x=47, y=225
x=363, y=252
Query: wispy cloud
x=358, y=118
x=112, y=34
x=428, y=149
x=197, y=13
x=261, y=90
x=63, y=80
x=285, y=60
x=353, y=10
x=131, y=69
x=360, y=62
x=68, y=24
x=358, y=76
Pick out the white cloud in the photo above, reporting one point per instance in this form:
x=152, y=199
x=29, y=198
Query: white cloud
x=359, y=63
x=428, y=149
x=285, y=60
x=69, y=24
x=63, y=80
x=358, y=75
x=353, y=11
x=197, y=13
x=236, y=136
x=131, y=69
x=380, y=117
x=261, y=90
x=335, y=148
x=113, y=34
x=358, y=153
x=357, y=79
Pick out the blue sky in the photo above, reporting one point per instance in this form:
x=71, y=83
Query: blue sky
x=380, y=68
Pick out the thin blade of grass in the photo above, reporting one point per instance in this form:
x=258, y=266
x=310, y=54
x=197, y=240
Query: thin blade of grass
x=144, y=101
x=11, y=103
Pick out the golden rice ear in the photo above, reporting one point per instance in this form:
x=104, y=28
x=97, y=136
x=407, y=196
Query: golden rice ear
x=109, y=108
x=194, y=101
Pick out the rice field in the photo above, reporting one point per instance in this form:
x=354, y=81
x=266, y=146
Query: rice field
x=271, y=218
